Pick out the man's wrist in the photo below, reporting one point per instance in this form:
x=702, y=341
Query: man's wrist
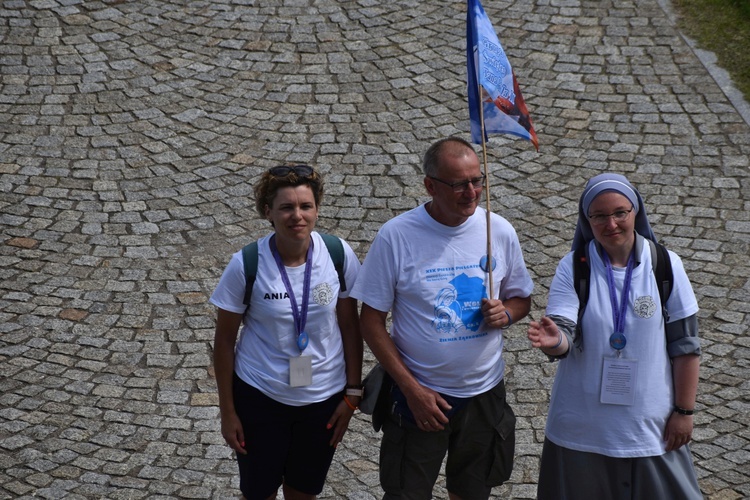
x=510, y=320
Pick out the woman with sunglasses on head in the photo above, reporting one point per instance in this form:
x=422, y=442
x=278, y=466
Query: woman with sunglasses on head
x=620, y=416
x=289, y=386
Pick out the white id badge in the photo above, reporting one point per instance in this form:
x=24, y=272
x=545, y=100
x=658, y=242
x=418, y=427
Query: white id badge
x=300, y=371
x=618, y=381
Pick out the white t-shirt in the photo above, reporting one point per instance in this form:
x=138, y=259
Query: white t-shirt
x=577, y=420
x=268, y=338
x=428, y=275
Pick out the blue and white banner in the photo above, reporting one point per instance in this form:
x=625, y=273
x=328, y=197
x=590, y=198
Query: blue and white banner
x=492, y=83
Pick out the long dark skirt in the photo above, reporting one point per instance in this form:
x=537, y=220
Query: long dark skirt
x=572, y=475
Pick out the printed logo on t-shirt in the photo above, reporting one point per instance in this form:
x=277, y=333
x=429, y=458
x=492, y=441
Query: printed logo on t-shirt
x=644, y=307
x=457, y=306
x=322, y=294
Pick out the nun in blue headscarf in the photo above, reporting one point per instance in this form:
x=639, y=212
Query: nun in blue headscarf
x=614, y=183
x=621, y=409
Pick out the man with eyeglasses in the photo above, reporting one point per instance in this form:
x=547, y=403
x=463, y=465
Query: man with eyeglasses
x=429, y=268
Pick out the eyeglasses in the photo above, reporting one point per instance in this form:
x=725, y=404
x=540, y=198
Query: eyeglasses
x=460, y=187
x=601, y=219
x=284, y=170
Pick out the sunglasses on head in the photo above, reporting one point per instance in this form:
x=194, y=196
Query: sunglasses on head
x=298, y=170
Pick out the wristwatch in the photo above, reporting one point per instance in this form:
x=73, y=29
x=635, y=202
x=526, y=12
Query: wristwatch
x=683, y=411
x=354, y=390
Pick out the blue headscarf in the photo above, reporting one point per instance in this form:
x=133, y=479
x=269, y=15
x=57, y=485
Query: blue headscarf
x=604, y=183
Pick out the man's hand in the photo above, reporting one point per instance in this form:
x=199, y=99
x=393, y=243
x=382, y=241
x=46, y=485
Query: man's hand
x=427, y=406
x=494, y=313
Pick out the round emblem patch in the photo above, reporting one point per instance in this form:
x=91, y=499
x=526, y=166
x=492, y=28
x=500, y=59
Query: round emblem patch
x=644, y=307
x=322, y=294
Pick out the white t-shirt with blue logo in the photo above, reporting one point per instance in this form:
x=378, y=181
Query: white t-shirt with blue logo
x=429, y=276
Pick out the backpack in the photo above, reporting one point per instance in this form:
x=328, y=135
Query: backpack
x=662, y=266
x=250, y=263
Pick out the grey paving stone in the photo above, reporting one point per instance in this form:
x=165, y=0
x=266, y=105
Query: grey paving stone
x=132, y=133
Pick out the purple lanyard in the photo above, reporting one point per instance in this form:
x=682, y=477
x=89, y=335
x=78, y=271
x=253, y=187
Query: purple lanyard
x=300, y=316
x=618, y=310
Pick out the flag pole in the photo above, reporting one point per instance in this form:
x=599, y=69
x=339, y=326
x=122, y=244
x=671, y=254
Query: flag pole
x=487, y=192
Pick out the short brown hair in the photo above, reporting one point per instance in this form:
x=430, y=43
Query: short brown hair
x=269, y=184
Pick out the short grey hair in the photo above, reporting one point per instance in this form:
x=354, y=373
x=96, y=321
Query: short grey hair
x=431, y=161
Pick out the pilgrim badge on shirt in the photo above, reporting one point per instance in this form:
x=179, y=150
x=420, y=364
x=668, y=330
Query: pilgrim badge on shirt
x=300, y=371
x=322, y=294
x=644, y=307
x=484, y=266
x=618, y=381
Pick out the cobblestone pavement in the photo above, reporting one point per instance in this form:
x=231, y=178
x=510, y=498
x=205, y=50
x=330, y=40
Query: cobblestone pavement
x=131, y=133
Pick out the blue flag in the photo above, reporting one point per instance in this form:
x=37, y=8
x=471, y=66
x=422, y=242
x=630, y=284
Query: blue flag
x=492, y=83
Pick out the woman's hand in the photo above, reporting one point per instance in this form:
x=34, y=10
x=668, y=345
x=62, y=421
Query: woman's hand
x=339, y=421
x=544, y=334
x=231, y=429
x=679, y=431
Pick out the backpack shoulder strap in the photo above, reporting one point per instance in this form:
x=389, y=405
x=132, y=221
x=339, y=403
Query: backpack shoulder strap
x=336, y=251
x=250, y=263
x=581, y=275
x=662, y=265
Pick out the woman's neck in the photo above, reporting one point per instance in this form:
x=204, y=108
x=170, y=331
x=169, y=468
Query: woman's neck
x=620, y=256
x=293, y=253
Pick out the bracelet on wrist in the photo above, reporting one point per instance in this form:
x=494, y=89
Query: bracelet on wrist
x=510, y=320
x=351, y=406
x=559, y=341
x=683, y=411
